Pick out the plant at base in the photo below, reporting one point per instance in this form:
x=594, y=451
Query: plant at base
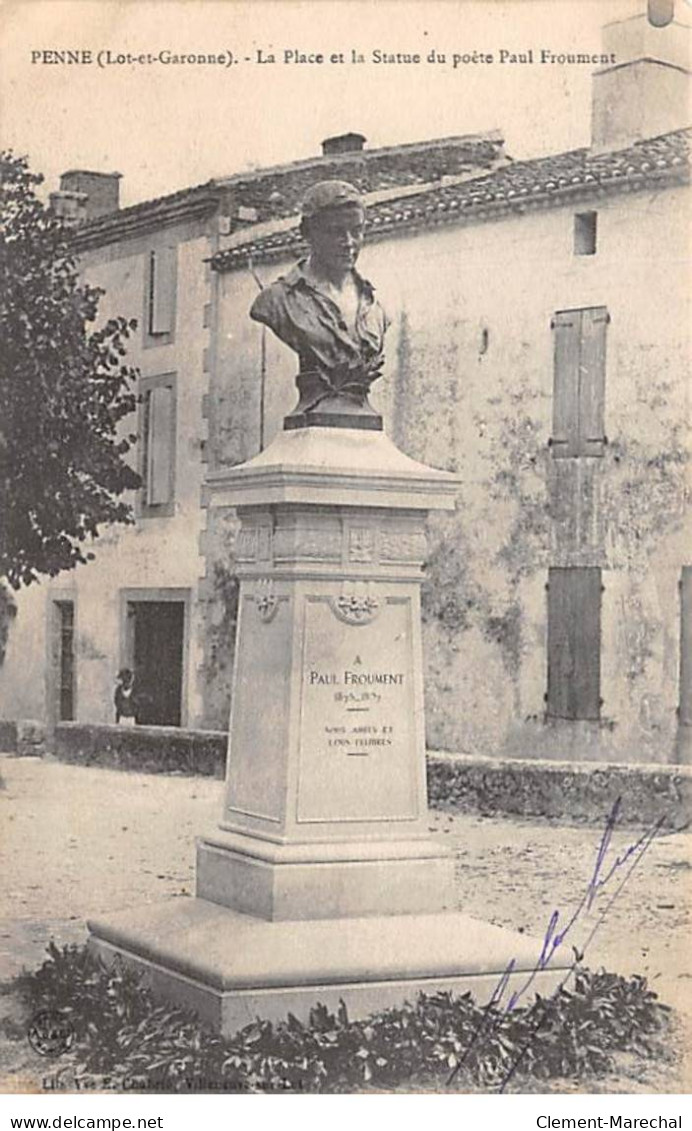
x=126, y=1040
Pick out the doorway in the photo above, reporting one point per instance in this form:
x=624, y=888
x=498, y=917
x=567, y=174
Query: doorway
x=156, y=647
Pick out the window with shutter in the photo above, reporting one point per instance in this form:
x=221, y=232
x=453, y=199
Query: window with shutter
x=65, y=660
x=157, y=431
x=574, y=643
x=161, y=294
x=579, y=382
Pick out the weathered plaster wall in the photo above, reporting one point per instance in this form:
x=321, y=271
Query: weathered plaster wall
x=218, y=595
x=156, y=553
x=251, y=390
x=468, y=386
x=252, y=386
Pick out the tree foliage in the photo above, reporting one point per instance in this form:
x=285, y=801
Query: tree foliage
x=65, y=391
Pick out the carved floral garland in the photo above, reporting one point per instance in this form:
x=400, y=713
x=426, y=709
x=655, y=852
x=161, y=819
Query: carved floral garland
x=355, y=609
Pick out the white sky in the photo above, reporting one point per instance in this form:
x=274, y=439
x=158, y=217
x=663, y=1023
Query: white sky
x=166, y=127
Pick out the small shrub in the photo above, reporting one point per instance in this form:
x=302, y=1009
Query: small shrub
x=126, y=1040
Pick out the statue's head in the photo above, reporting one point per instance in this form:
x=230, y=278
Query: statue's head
x=332, y=223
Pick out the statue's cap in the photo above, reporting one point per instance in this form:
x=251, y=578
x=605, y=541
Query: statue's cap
x=330, y=194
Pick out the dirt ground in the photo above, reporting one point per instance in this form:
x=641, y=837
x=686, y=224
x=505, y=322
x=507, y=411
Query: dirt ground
x=78, y=841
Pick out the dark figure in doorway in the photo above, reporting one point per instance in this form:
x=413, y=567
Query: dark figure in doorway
x=327, y=312
x=124, y=698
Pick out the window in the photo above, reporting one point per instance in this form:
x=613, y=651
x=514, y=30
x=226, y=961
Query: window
x=574, y=643
x=585, y=229
x=579, y=381
x=157, y=439
x=64, y=611
x=161, y=295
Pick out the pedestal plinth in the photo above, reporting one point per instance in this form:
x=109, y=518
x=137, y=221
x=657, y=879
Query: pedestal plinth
x=321, y=881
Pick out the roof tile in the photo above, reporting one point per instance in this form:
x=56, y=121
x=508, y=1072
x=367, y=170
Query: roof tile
x=579, y=172
x=276, y=192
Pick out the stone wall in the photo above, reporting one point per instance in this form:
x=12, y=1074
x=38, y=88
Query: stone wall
x=490, y=787
x=147, y=749
x=8, y=736
x=566, y=792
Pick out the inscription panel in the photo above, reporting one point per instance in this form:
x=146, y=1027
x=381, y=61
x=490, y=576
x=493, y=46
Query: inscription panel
x=357, y=721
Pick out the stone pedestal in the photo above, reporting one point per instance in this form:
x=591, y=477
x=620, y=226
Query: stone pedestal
x=321, y=881
x=325, y=807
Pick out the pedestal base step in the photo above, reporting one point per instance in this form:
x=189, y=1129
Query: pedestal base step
x=232, y=968
x=334, y=881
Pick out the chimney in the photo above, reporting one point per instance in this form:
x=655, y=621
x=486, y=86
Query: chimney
x=343, y=143
x=101, y=191
x=644, y=92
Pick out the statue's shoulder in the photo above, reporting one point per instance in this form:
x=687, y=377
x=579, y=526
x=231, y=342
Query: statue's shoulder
x=271, y=301
x=378, y=311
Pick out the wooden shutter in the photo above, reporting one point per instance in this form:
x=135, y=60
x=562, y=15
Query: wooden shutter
x=574, y=643
x=62, y=661
x=566, y=329
x=162, y=283
x=159, y=472
x=66, y=614
x=579, y=382
x=592, y=357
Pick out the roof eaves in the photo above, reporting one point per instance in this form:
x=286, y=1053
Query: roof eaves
x=139, y=218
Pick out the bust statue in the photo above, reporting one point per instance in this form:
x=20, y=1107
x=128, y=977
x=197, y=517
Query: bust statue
x=327, y=312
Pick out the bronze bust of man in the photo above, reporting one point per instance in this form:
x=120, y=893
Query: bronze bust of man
x=327, y=312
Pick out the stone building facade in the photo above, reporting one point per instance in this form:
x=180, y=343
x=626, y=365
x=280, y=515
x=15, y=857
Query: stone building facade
x=539, y=347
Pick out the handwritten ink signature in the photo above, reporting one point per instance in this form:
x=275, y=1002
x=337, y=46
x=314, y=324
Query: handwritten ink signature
x=553, y=939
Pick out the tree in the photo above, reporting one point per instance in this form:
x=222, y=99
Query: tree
x=65, y=391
